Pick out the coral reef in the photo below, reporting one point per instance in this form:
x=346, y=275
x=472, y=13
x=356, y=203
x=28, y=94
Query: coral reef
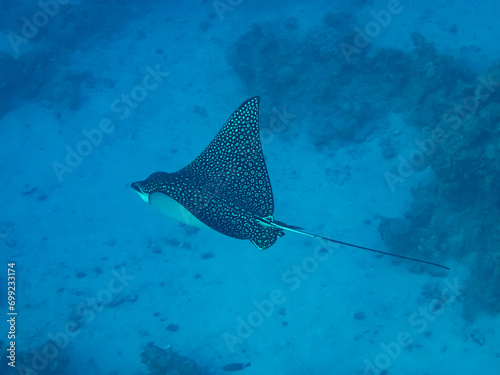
x=269, y=61
x=458, y=214
x=349, y=98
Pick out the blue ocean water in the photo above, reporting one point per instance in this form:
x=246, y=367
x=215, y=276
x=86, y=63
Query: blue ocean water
x=380, y=126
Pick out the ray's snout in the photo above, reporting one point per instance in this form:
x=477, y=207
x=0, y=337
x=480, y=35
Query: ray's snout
x=136, y=186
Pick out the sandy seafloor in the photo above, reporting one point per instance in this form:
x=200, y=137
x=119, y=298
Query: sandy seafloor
x=66, y=237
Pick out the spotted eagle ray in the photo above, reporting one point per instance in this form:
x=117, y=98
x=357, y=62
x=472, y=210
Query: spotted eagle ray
x=227, y=187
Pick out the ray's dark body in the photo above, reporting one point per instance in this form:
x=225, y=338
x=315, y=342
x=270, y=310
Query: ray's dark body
x=227, y=186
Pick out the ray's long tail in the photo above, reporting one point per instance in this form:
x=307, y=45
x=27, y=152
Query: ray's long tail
x=300, y=231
